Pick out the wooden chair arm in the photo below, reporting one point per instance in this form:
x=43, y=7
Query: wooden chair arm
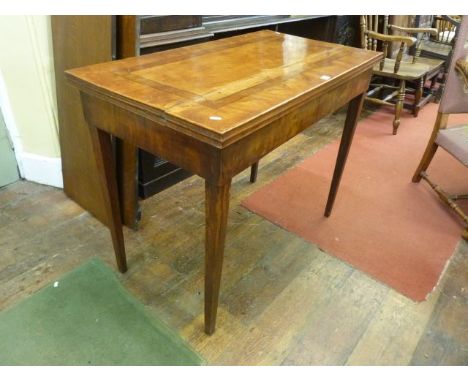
x=432, y=31
x=450, y=19
x=386, y=39
x=383, y=37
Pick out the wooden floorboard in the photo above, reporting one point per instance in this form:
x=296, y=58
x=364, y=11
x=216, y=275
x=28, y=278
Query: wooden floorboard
x=445, y=338
x=283, y=301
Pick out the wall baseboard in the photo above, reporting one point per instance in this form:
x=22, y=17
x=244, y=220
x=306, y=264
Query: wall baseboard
x=41, y=169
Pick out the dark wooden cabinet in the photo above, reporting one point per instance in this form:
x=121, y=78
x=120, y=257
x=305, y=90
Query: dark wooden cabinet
x=83, y=40
x=156, y=174
x=159, y=24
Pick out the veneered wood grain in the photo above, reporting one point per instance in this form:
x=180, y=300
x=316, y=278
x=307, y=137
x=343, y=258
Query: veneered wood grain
x=151, y=135
x=250, y=148
x=219, y=90
x=200, y=157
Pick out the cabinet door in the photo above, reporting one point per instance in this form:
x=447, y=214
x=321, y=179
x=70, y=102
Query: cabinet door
x=79, y=41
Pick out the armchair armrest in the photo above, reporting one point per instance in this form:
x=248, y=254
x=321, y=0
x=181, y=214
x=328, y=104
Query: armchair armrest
x=386, y=39
x=383, y=37
x=432, y=31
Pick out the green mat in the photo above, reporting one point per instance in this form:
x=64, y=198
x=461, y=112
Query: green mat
x=88, y=319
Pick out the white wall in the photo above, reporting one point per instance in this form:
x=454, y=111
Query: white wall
x=27, y=96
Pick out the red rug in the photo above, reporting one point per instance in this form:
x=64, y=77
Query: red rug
x=383, y=224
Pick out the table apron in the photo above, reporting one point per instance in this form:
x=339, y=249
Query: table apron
x=180, y=149
x=216, y=165
x=248, y=150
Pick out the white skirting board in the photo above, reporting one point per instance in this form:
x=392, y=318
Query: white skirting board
x=41, y=169
x=33, y=167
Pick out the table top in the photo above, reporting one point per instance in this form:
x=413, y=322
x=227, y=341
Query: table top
x=221, y=90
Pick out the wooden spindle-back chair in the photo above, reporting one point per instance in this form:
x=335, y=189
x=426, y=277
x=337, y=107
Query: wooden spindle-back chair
x=374, y=36
x=440, y=45
x=423, y=94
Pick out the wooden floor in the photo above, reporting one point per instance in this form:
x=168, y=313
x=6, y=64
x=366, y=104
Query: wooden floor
x=283, y=301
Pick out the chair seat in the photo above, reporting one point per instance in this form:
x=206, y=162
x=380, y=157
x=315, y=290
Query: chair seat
x=432, y=62
x=438, y=49
x=455, y=141
x=408, y=70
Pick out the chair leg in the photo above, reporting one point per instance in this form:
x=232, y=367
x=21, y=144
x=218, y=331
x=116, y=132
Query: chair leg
x=425, y=161
x=417, y=97
x=433, y=89
x=465, y=234
x=253, y=172
x=446, y=198
x=399, y=106
x=431, y=148
x=440, y=90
